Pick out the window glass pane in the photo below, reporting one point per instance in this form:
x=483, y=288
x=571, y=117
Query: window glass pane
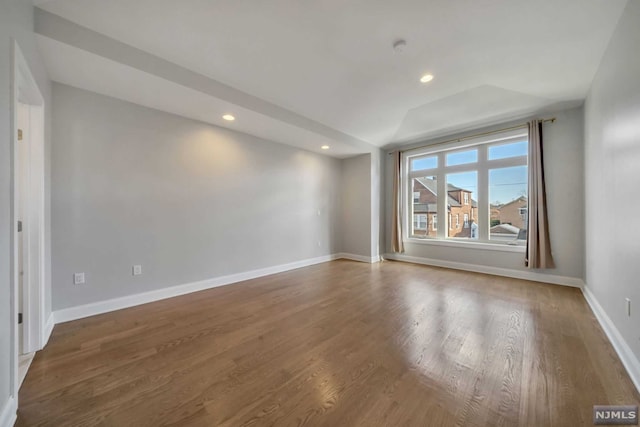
x=419, y=221
x=509, y=205
x=420, y=163
x=424, y=207
x=504, y=151
x=462, y=205
x=462, y=157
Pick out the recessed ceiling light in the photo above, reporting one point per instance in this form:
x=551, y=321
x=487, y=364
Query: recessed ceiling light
x=325, y=147
x=426, y=78
x=228, y=117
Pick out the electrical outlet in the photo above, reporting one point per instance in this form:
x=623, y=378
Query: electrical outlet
x=137, y=270
x=78, y=278
x=628, y=301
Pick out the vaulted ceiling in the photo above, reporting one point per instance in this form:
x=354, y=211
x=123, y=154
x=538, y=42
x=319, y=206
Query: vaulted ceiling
x=309, y=73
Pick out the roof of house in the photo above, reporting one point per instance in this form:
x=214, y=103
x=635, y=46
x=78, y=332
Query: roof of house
x=504, y=229
x=432, y=186
x=519, y=199
x=424, y=207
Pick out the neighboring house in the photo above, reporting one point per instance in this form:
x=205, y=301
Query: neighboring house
x=461, y=209
x=515, y=212
x=494, y=213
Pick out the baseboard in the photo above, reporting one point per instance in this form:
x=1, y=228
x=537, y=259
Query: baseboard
x=48, y=329
x=629, y=360
x=9, y=413
x=361, y=258
x=79, y=312
x=496, y=271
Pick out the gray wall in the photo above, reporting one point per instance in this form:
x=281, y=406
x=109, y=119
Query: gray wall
x=187, y=200
x=356, y=205
x=16, y=22
x=612, y=167
x=563, y=151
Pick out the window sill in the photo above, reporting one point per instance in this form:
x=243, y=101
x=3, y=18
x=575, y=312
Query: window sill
x=468, y=245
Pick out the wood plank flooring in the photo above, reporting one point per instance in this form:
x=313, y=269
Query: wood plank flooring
x=336, y=344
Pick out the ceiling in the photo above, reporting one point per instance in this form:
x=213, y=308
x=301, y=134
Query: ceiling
x=309, y=73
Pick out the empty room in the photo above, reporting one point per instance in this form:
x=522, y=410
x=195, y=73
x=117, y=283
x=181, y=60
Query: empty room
x=327, y=213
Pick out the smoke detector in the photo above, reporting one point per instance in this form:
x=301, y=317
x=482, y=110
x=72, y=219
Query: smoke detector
x=399, y=45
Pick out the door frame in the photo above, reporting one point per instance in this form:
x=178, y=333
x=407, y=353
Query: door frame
x=25, y=90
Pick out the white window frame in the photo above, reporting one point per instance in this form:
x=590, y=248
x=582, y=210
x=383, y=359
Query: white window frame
x=466, y=198
x=465, y=221
x=416, y=199
x=482, y=166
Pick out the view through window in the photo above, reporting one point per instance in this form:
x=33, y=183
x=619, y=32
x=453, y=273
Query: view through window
x=479, y=187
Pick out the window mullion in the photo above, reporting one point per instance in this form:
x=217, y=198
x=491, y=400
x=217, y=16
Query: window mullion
x=483, y=194
x=441, y=233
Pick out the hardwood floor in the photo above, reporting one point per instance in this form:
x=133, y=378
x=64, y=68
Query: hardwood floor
x=336, y=344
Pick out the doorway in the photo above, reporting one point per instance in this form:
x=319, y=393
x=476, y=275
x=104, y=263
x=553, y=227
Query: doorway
x=28, y=260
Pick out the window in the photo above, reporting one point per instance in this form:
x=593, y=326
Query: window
x=424, y=162
x=523, y=213
x=461, y=181
x=420, y=222
x=424, y=206
x=507, y=191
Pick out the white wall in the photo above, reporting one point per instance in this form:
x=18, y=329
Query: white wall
x=612, y=175
x=563, y=151
x=16, y=22
x=187, y=200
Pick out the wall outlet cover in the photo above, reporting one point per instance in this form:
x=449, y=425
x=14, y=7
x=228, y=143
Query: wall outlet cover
x=78, y=278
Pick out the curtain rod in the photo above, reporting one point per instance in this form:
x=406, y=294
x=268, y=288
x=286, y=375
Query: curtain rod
x=477, y=135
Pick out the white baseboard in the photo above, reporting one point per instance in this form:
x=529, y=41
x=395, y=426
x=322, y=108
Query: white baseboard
x=79, y=312
x=361, y=258
x=629, y=360
x=48, y=329
x=8, y=413
x=496, y=271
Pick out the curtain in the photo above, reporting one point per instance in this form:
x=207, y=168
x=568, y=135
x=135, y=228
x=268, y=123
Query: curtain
x=396, y=231
x=538, y=244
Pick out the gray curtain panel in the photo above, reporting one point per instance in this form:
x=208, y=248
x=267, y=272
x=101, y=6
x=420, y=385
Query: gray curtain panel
x=396, y=231
x=538, y=244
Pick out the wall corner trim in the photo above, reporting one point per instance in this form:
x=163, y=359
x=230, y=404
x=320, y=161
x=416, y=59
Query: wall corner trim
x=48, y=329
x=574, y=282
x=629, y=360
x=92, y=309
x=8, y=415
